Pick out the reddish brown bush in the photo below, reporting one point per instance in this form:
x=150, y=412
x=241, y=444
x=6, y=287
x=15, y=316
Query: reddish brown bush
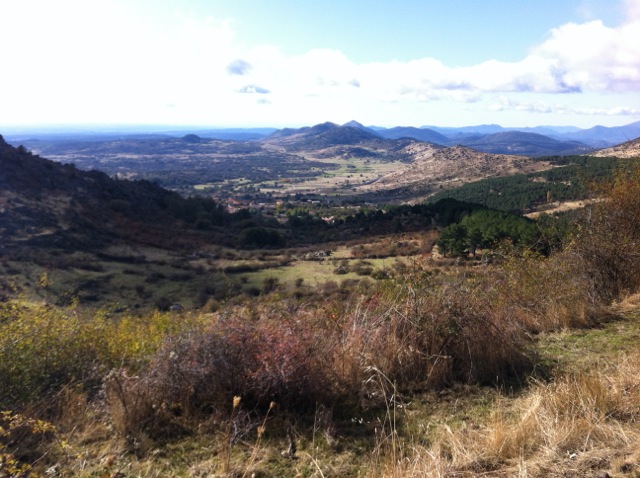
x=270, y=359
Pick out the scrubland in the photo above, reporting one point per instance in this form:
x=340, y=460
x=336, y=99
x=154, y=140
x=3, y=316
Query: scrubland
x=521, y=365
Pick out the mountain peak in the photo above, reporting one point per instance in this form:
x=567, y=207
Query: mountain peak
x=322, y=127
x=192, y=138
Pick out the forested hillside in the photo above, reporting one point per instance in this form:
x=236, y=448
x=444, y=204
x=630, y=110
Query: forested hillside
x=572, y=179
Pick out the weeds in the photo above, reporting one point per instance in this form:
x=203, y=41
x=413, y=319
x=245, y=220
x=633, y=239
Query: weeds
x=21, y=439
x=262, y=428
x=387, y=432
x=229, y=437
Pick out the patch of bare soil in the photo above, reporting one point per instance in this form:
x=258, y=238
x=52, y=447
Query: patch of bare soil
x=557, y=206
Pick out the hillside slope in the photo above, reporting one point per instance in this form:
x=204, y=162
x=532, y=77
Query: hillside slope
x=630, y=149
x=44, y=202
x=442, y=168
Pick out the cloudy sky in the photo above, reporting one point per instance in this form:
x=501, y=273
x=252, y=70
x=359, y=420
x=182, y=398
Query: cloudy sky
x=229, y=63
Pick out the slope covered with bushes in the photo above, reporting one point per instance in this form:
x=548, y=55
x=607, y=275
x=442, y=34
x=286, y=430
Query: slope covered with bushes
x=155, y=381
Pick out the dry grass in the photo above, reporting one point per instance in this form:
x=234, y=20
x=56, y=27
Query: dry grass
x=583, y=422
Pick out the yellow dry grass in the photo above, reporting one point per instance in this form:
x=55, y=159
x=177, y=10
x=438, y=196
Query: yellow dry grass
x=582, y=422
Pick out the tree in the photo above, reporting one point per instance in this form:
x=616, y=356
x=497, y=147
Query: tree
x=260, y=237
x=453, y=240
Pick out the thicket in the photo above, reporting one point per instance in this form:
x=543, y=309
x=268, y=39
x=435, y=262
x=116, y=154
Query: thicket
x=44, y=348
x=607, y=239
x=260, y=237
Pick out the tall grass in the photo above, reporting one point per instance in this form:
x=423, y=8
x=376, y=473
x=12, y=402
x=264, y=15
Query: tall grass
x=420, y=332
x=579, y=418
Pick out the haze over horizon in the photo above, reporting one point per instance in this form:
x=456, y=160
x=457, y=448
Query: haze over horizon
x=288, y=64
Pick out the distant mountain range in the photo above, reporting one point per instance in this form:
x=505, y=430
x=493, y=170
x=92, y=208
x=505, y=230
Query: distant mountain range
x=538, y=141
x=525, y=144
x=421, y=134
x=308, y=159
x=501, y=142
x=491, y=138
x=595, y=137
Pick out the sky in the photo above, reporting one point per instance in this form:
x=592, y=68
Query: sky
x=291, y=63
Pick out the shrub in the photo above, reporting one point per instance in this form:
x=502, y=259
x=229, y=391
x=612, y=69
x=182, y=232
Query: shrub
x=606, y=241
x=270, y=284
x=267, y=360
x=422, y=335
x=163, y=303
x=44, y=348
x=540, y=294
x=21, y=439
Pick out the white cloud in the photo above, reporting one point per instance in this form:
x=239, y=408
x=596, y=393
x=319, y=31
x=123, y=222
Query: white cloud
x=594, y=57
x=106, y=61
x=632, y=10
x=614, y=111
x=588, y=57
x=505, y=103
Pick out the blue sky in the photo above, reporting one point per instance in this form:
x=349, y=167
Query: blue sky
x=293, y=63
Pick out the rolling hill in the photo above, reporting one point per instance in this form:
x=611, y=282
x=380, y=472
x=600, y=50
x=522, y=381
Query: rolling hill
x=326, y=159
x=527, y=144
x=406, y=141
x=629, y=149
x=435, y=169
x=602, y=136
x=320, y=136
x=421, y=134
x=425, y=167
